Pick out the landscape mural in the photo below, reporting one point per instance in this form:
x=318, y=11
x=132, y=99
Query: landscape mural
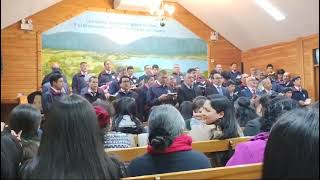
x=125, y=40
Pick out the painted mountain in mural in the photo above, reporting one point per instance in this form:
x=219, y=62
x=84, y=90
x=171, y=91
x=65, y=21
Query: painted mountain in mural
x=148, y=45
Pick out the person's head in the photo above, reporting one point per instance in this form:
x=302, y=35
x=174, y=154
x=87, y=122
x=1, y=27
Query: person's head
x=172, y=82
x=198, y=73
x=218, y=68
x=252, y=82
x=216, y=79
x=192, y=71
x=244, y=111
x=231, y=86
x=127, y=106
x=286, y=77
x=55, y=67
x=197, y=104
x=188, y=79
x=186, y=110
x=35, y=99
x=292, y=150
x=287, y=92
x=269, y=68
x=107, y=65
x=233, y=66
x=280, y=73
x=93, y=83
x=56, y=81
x=266, y=83
x=125, y=83
x=72, y=133
x=84, y=67
x=253, y=71
x=154, y=71
x=149, y=80
x=130, y=70
x=226, y=76
x=122, y=71
x=163, y=77
x=25, y=118
x=165, y=124
x=296, y=81
x=261, y=103
x=276, y=107
x=176, y=68
x=220, y=110
x=11, y=156
x=244, y=78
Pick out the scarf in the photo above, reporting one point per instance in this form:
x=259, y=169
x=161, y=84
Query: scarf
x=180, y=143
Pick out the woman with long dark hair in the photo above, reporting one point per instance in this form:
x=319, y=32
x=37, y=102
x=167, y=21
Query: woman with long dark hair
x=71, y=146
x=244, y=111
x=292, y=151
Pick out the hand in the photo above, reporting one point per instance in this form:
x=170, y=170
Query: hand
x=307, y=101
x=16, y=135
x=163, y=97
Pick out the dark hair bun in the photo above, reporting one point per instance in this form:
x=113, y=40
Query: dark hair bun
x=159, y=139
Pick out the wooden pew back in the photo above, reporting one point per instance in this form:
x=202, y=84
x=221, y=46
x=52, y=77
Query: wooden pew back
x=250, y=171
x=129, y=154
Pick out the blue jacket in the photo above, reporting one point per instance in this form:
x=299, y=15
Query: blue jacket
x=155, y=92
x=213, y=90
x=299, y=95
x=121, y=94
x=233, y=76
x=50, y=97
x=114, y=87
x=247, y=93
x=99, y=95
x=165, y=163
x=78, y=83
x=104, y=77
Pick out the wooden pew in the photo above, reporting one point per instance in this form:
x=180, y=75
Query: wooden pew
x=128, y=154
x=249, y=171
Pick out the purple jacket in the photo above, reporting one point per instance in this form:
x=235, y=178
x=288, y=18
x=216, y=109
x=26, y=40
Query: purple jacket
x=249, y=152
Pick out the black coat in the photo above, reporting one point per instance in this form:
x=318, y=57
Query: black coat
x=165, y=163
x=213, y=90
x=187, y=94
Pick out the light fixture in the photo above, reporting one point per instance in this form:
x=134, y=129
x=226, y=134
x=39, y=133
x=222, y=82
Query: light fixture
x=159, y=8
x=271, y=10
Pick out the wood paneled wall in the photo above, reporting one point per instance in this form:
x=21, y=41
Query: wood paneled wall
x=21, y=50
x=294, y=56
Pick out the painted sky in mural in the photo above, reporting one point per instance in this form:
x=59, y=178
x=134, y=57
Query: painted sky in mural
x=125, y=40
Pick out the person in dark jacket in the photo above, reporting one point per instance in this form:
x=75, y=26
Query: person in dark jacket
x=143, y=107
x=107, y=74
x=125, y=89
x=55, y=93
x=232, y=94
x=160, y=93
x=147, y=72
x=55, y=67
x=79, y=80
x=114, y=87
x=93, y=92
x=216, y=86
x=169, y=150
x=299, y=94
x=187, y=91
x=234, y=73
x=134, y=80
x=177, y=74
x=251, y=90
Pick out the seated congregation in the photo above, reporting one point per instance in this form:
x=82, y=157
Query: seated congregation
x=181, y=122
